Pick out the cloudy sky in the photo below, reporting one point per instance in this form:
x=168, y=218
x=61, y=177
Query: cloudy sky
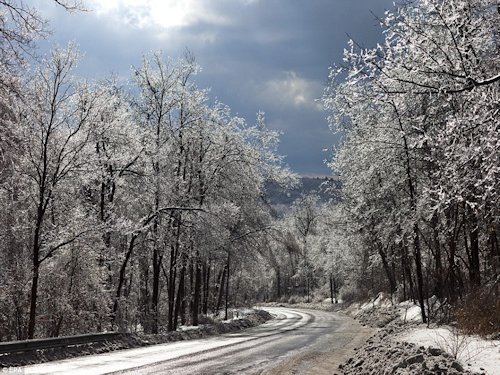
x=270, y=55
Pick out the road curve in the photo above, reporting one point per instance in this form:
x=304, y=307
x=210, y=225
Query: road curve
x=295, y=341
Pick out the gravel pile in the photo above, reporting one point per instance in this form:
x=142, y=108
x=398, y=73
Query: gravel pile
x=381, y=355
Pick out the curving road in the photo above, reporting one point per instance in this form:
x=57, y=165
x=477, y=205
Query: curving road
x=296, y=341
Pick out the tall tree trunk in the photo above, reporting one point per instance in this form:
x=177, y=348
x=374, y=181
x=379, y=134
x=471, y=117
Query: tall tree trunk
x=221, y=290
x=171, y=288
x=207, y=288
x=121, y=277
x=189, y=291
x=409, y=274
x=156, y=289
x=156, y=255
x=331, y=288
x=174, y=254
x=197, y=289
x=475, y=271
x=494, y=251
x=180, y=296
x=418, y=271
x=417, y=251
x=438, y=271
x=33, y=299
x=278, y=282
x=387, y=268
x=227, y=285
x=36, y=265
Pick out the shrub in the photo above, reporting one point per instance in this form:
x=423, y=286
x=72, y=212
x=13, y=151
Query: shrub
x=294, y=299
x=479, y=314
x=204, y=319
x=350, y=293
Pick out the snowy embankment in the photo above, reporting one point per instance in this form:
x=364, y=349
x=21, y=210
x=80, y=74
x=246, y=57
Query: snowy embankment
x=475, y=353
x=243, y=319
x=405, y=346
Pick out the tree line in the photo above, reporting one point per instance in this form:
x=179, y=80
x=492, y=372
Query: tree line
x=122, y=207
x=420, y=157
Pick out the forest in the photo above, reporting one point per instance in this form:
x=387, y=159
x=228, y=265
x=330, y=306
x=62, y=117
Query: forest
x=142, y=205
x=420, y=157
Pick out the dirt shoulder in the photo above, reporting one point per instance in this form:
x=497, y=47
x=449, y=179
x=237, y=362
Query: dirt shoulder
x=336, y=351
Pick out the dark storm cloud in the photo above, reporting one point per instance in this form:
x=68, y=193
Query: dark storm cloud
x=271, y=55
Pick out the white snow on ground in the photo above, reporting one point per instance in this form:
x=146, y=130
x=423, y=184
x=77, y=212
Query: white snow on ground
x=329, y=300
x=381, y=301
x=483, y=356
x=409, y=312
x=476, y=354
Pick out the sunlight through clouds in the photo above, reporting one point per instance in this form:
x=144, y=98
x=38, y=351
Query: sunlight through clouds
x=161, y=13
x=294, y=90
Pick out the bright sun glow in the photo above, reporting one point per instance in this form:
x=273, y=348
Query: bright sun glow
x=294, y=90
x=163, y=13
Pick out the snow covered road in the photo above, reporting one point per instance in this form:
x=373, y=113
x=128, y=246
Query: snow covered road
x=305, y=341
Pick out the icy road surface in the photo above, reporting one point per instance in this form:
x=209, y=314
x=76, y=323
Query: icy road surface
x=296, y=341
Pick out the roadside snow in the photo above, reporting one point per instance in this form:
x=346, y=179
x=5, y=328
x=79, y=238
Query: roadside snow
x=403, y=339
x=475, y=353
x=384, y=354
x=409, y=312
x=382, y=301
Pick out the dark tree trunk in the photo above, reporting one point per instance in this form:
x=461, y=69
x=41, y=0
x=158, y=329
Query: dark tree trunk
x=33, y=298
x=180, y=297
x=172, y=275
x=206, y=291
x=418, y=271
x=156, y=287
x=475, y=272
x=197, y=290
x=278, y=281
x=408, y=271
x=221, y=290
x=412, y=188
x=121, y=278
x=495, y=251
x=331, y=288
x=42, y=205
x=388, y=270
x=439, y=266
x=227, y=285
x=171, y=289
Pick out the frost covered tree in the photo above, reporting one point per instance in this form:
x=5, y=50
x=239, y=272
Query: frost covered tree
x=200, y=169
x=122, y=209
x=419, y=159
x=55, y=126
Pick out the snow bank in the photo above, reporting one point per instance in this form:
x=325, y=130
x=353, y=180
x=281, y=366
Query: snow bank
x=406, y=311
x=409, y=312
x=403, y=346
x=381, y=301
x=473, y=352
x=384, y=355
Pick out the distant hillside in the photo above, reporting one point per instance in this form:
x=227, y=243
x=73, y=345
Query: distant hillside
x=326, y=188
